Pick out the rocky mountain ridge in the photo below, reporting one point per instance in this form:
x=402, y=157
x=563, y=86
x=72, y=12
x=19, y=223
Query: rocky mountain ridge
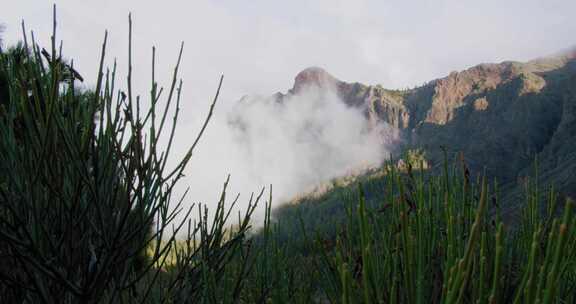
x=501, y=116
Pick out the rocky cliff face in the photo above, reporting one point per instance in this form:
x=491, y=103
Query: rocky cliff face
x=452, y=92
x=377, y=103
x=501, y=116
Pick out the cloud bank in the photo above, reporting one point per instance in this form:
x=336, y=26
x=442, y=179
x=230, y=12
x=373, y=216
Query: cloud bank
x=294, y=144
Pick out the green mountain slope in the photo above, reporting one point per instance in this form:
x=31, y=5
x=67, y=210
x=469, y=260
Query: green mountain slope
x=500, y=116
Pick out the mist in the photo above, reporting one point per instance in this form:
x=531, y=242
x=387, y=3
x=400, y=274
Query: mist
x=294, y=144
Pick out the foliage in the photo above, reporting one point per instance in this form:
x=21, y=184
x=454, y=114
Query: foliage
x=86, y=190
x=416, y=237
x=432, y=239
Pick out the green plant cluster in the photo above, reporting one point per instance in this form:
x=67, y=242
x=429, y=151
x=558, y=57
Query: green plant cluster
x=414, y=237
x=86, y=207
x=434, y=241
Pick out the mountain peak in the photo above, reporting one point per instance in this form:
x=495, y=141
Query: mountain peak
x=314, y=76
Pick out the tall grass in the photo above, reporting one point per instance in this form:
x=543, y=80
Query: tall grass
x=86, y=190
x=433, y=241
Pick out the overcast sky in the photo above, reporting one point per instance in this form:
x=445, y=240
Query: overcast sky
x=260, y=45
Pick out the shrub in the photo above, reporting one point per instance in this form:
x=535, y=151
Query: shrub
x=86, y=191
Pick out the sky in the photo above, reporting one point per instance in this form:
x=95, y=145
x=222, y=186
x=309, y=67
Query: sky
x=260, y=45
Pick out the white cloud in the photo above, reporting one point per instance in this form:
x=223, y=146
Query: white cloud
x=295, y=145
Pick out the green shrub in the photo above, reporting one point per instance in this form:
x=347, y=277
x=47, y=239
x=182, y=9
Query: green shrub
x=441, y=239
x=86, y=191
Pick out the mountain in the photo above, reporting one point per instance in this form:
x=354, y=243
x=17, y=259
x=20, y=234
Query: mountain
x=377, y=103
x=500, y=116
